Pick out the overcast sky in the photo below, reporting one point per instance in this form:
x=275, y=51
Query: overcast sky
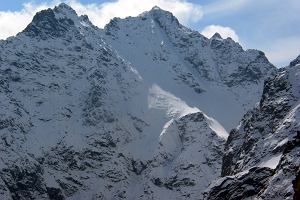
x=272, y=26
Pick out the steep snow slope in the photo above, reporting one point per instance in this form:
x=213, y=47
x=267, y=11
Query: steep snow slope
x=88, y=114
x=215, y=75
x=268, y=139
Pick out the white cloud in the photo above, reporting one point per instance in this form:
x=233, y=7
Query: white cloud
x=283, y=51
x=225, y=32
x=99, y=14
x=14, y=22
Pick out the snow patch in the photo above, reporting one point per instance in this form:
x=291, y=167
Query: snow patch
x=280, y=144
x=163, y=100
x=272, y=162
x=166, y=126
x=217, y=127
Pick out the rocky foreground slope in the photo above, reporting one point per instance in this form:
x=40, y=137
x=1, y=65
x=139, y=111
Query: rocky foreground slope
x=262, y=156
x=138, y=110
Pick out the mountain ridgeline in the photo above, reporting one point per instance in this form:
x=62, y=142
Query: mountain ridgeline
x=145, y=108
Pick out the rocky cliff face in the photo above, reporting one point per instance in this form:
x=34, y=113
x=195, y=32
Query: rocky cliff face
x=129, y=112
x=262, y=154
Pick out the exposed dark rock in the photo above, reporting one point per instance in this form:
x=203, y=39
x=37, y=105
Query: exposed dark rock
x=55, y=193
x=240, y=187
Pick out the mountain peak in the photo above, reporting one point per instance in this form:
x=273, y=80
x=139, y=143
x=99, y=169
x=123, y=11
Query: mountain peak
x=52, y=22
x=65, y=11
x=163, y=17
x=64, y=6
x=216, y=36
x=158, y=11
x=156, y=8
x=295, y=62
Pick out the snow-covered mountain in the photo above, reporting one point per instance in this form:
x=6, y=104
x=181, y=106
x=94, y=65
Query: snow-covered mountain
x=215, y=75
x=137, y=110
x=262, y=156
